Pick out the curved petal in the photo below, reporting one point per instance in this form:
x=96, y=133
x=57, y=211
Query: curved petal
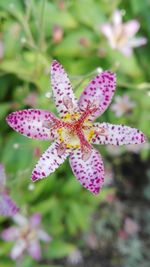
x=7, y=205
x=20, y=220
x=34, y=249
x=18, y=249
x=117, y=18
x=131, y=27
x=42, y=235
x=62, y=90
x=117, y=135
x=35, y=220
x=10, y=234
x=107, y=30
x=49, y=162
x=100, y=91
x=90, y=173
x=126, y=50
x=30, y=123
x=135, y=42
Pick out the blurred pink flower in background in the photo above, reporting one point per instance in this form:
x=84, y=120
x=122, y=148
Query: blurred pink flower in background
x=26, y=236
x=57, y=34
x=91, y=240
x=130, y=228
x=109, y=176
x=111, y=197
x=121, y=36
x=7, y=205
x=31, y=99
x=122, y=105
x=75, y=257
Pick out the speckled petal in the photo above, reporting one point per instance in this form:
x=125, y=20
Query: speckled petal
x=62, y=90
x=49, y=162
x=117, y=135
x=101, y=89
x=7, y=206
x=90, y=173
x=31, y=123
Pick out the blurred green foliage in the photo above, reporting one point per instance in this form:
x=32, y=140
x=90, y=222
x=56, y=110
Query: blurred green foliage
x=27, y=37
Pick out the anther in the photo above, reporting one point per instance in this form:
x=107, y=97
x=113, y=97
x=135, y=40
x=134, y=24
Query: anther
x=68, y=102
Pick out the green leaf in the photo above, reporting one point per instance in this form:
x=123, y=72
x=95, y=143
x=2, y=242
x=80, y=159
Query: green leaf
x=88, y=12
x=59, y=249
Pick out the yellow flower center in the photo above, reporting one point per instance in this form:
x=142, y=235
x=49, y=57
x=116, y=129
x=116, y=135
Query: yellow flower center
x=68, y=134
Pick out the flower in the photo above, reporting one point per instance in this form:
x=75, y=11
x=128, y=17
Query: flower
x=121, y=36
x=31, y=99
x=26, y=235
x=74, y=132
x=123, y=105
x=130, y=226
x=7, y=205
x=75, y=257
x=57, y=34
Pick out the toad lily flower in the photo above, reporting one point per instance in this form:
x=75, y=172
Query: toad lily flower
x=121, y=35
x=27, y=235
x=7, y=206
x=75, y=131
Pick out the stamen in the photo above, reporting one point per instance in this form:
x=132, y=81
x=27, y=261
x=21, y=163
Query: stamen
x=61, y=149
x=48, y=124
x=68, y=102
x=101, y=131
x=86, y=153
x=95, y=104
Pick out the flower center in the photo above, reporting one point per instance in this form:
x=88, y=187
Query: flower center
x=73, y=128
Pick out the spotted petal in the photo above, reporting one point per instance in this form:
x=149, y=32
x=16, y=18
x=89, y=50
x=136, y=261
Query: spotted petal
x=90, y=173
x=49, y=162
x=7, y=206
x=100, y=90
x=31, y=123
x=62, y=90
x=117, y=135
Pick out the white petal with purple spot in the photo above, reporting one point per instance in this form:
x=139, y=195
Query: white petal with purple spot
x=49, y=162
x=90, y=173
x=101, y=89
x=62, y=90
x=117, y=135
x=30, y=123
